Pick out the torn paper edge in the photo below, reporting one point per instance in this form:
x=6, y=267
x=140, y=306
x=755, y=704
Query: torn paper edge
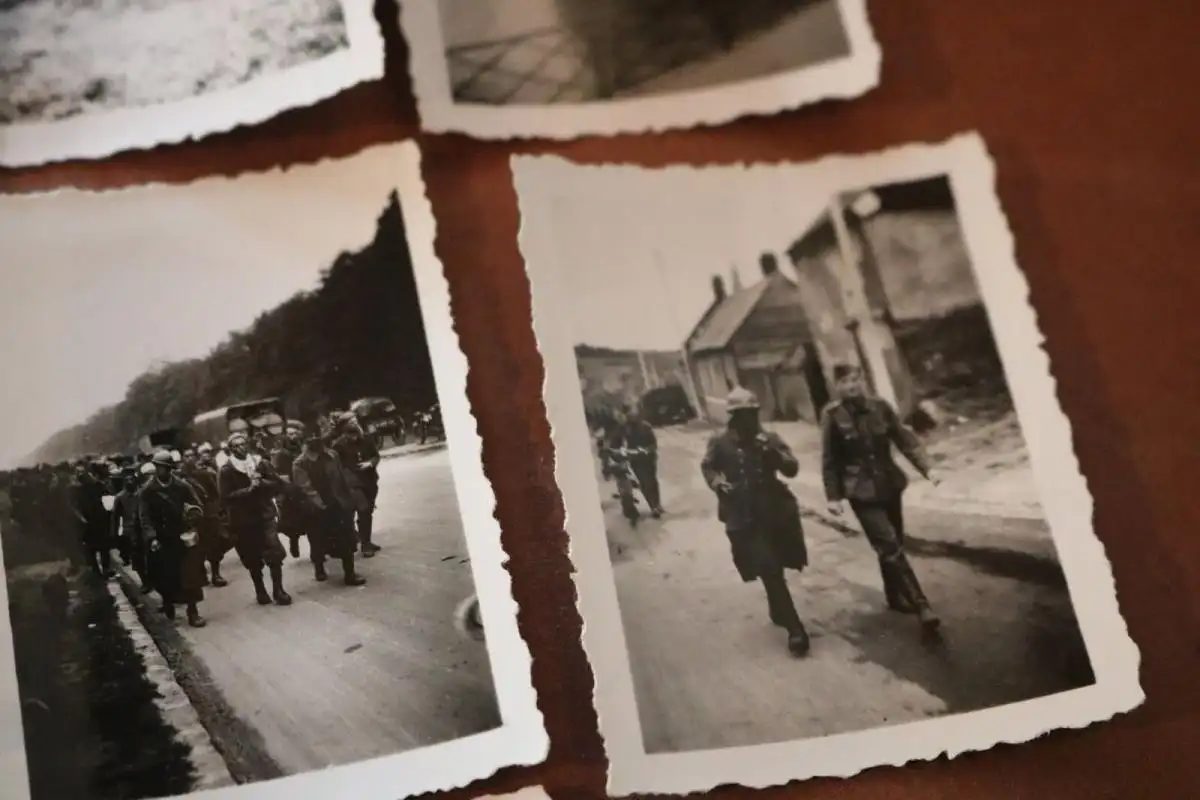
x=840, y=79
x=1068, y=504
x=521, y=740
x=101, y=134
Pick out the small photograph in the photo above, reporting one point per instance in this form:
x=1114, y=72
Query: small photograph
x=88, y=78
x=822, y=499
x=568, y=68
x=248, y=542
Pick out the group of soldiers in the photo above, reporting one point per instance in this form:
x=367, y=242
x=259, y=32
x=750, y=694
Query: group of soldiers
x=173, y=515
x=745, y=465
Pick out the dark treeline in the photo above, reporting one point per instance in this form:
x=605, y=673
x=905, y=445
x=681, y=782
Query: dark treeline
x=359, y=333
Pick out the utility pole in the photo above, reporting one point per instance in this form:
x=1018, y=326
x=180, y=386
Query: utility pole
x=689, y=384
x=886, y=372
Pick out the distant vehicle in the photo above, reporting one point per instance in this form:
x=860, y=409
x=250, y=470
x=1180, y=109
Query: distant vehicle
x=256, y=416
x=667, y=405
x=165, y=439
x=379, y=419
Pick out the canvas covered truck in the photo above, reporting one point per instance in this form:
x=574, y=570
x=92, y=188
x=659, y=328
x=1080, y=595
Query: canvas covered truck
x=257, y=416
x=379, y=418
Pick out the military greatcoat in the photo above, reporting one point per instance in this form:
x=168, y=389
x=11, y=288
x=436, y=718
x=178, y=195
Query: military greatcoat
x=761, y=515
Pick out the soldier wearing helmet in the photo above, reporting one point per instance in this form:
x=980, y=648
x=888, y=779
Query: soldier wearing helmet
x=360, y=458
x=332, y=500
x=857, y=434
x=742, y=465
x=248, y=486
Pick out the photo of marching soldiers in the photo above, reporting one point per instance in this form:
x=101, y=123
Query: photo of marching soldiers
x=251, y=563
x=819, y=505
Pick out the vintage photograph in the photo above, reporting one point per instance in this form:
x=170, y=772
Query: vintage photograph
x=87, y=79
x=821, y=496
x=567, y=68
x=248, y=541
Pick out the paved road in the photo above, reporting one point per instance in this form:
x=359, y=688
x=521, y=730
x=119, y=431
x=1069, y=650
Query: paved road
x=710, y=671
x=346, y=674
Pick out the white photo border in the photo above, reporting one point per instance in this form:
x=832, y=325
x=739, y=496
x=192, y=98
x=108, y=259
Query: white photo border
x=1068, y=505
x=103, y=133
x=521, y=739
x=840, y=79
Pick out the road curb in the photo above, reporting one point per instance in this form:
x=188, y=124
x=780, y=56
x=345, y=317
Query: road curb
x=419, y=448
x=210, y=768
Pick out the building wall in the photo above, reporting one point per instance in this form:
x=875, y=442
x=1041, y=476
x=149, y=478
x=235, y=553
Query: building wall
x=923, y=262
x=609, y=379
x=631, y=41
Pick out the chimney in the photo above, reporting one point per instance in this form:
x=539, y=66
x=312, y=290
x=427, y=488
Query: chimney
x=769, y=264
x=735, y=280
x=718, y=286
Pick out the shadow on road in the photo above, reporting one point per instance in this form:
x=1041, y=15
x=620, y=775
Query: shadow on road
x=981, y=661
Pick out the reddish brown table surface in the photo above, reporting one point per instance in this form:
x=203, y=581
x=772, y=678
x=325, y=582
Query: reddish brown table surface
x=1090, y=110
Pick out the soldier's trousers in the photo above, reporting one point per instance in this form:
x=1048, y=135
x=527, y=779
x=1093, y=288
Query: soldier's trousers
x=883, y=524
x=780, y=605
x=332, y=535
x=364, y=517
x=645, y=468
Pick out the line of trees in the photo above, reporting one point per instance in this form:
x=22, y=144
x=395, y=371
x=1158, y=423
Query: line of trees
x=359, y=333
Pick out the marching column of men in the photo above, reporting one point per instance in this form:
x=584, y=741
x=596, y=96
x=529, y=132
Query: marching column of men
x=173, y=516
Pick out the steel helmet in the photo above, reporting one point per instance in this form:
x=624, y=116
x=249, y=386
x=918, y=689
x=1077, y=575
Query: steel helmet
x=162, y=458
x=740, y=399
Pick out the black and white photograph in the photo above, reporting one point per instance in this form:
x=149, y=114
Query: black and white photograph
x=248, y=542
x=821, y=497
x=89, y=78
x=568, y=68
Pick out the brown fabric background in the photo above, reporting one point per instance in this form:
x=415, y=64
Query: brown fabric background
x=1090, y=110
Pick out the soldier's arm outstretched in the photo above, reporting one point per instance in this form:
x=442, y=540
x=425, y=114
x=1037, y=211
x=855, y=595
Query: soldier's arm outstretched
x=905, y=440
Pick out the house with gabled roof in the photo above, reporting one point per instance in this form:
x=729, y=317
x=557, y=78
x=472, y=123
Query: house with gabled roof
x=757, y=337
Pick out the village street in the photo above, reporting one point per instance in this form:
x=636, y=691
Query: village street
x=710, y=671
x=344, y=674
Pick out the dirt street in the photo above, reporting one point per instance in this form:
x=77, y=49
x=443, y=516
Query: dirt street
x=711, y=671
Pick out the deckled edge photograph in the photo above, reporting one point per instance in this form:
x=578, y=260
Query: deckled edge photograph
x=775, y=74
x=1068, y=505
x=94, y=130
x=520, y=739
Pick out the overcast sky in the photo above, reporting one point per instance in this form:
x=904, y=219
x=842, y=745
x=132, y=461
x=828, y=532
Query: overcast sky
x=97, y=287
x=642, y=245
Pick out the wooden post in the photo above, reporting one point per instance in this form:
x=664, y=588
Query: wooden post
x=885, y=371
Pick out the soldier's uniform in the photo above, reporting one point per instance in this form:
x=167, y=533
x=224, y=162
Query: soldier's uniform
x=635, y=433
x=360, y=458
x=760, y=513
x=857, y=435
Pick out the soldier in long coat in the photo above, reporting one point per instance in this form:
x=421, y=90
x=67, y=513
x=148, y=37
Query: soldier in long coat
x=857, y=434
x=321, y=476
x=167, y=510
x=632, y=432
x=95, y=521
x=214, y=540
x=248, y=486
x=762, y=518
x=360, y=457
x=293, y=516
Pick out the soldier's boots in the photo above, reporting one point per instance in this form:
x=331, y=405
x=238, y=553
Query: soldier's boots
x=930, y=622
x=193, y=616
x=168, y=610
x=294, y=546
x=218, y=580
x=319, y=572
x=350, y=577
x=260, y=589
x=797, y=641
x=366, y=526
x=278, y=594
